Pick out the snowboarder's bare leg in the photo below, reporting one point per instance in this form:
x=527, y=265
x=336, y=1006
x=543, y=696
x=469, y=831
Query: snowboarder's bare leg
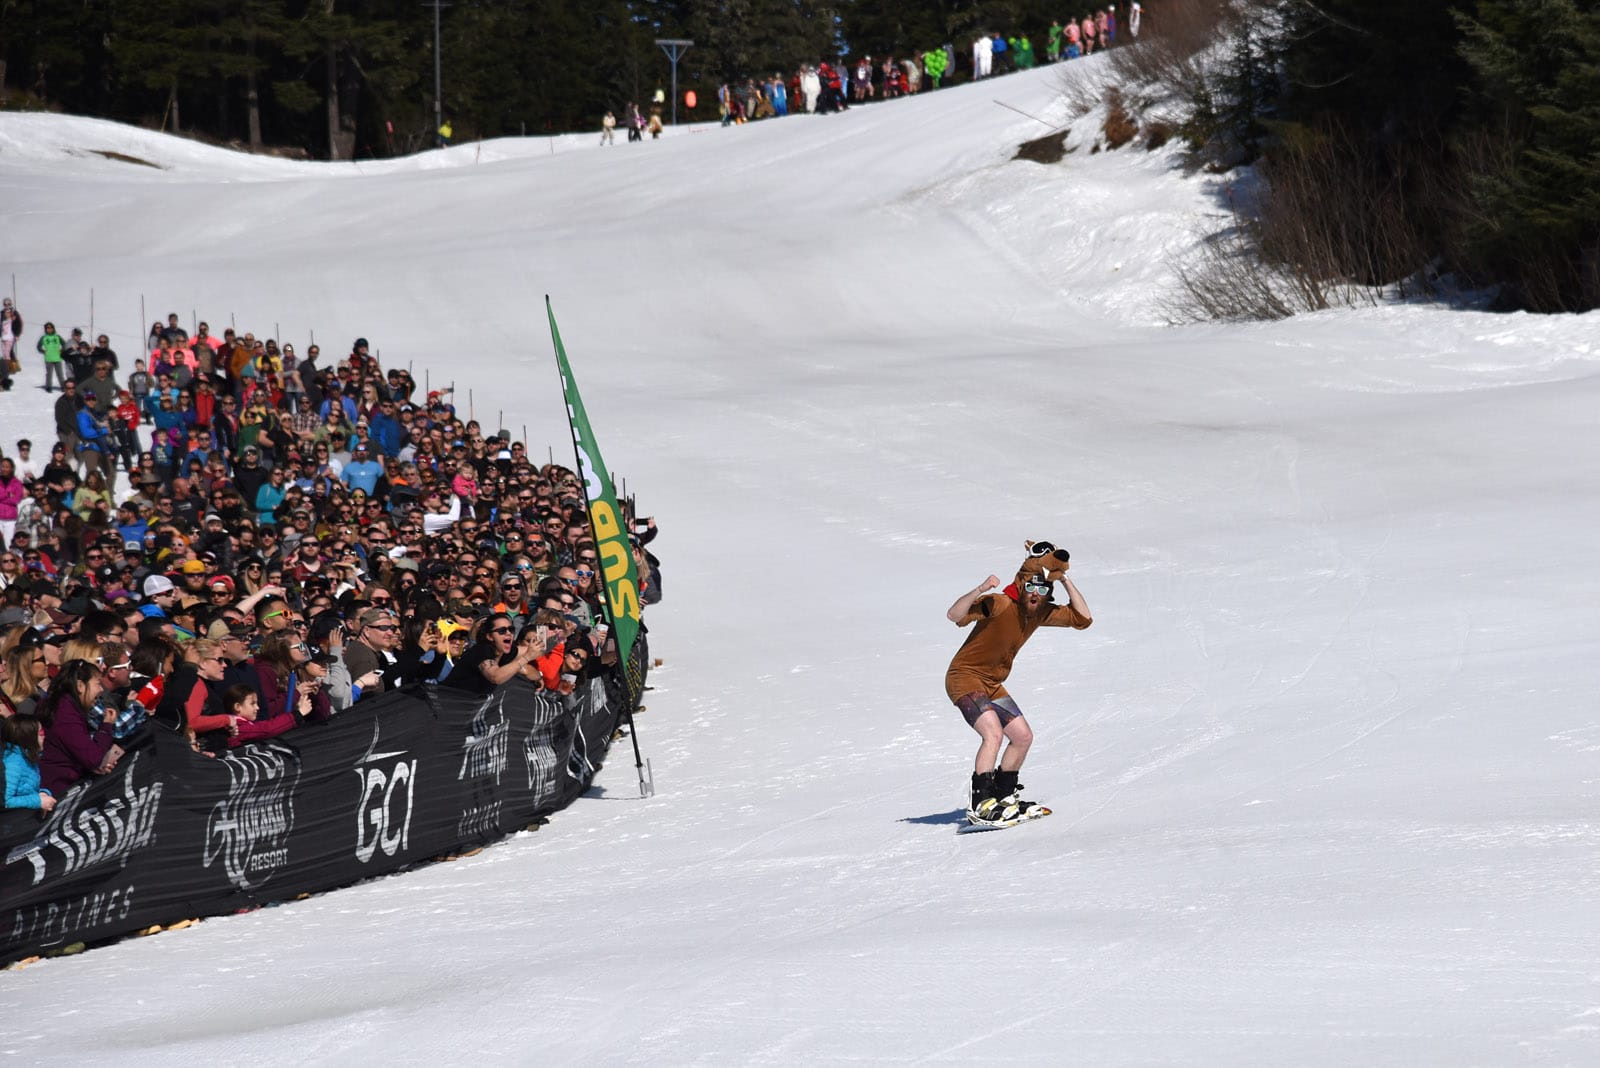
x=989, y=729
x=1020, y=737
x=997, y=721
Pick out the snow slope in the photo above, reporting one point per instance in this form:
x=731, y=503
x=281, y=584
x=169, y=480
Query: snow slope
x=1324, y=769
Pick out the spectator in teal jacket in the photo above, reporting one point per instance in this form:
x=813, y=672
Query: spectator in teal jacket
x=49, y=346
x=269, y=496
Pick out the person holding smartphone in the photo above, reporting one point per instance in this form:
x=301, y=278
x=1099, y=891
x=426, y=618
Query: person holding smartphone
x=497, y=656
x=550, y=639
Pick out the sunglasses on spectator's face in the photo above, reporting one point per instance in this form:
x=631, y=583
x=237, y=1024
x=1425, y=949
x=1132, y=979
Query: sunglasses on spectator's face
x=500, y=630
x=584, y=573
x=382, y=626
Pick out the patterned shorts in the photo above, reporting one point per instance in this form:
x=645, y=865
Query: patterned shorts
x=973, y=705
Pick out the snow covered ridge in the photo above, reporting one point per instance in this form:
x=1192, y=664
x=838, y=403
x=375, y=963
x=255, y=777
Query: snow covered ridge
x=73, y=144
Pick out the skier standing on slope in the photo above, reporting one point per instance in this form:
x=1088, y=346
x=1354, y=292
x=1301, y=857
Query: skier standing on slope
x=975, y=680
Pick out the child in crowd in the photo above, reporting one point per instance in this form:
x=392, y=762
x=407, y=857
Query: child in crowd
x=24, y=741
x=139, y=384
x=242, y=702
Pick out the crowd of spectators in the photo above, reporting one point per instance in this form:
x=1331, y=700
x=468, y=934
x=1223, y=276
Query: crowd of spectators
x=291, y=537
x=826, y=87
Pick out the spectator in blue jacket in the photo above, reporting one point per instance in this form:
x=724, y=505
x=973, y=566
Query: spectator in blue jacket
x=97, y=449
x=345, y=401
x=23, y=736
x=362, y=472
x=384, y=429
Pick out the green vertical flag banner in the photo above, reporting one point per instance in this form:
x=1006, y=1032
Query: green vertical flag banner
x=605, y=518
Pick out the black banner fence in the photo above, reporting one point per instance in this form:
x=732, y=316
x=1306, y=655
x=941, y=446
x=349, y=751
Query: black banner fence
x=392, y=781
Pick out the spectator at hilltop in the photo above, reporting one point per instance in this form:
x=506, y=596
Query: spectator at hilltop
x=10, y=334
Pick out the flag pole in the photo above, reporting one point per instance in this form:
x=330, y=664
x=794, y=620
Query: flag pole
x=647, y=781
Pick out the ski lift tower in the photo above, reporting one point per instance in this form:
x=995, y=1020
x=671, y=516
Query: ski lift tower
x=674, y=47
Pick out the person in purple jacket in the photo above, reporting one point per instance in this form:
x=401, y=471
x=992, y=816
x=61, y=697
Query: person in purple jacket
x=74, y=747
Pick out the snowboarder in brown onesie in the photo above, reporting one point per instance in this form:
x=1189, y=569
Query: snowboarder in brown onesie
x=975, y=680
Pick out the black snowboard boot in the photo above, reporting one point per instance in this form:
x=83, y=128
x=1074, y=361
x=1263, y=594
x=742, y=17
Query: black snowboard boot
x=985, y=804
x=1009, y=804
x=1006, y=787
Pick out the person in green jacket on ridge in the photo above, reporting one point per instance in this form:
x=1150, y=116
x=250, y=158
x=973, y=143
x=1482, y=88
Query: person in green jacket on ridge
x=1025, y=56
x=1053, y=45
x=49, y=346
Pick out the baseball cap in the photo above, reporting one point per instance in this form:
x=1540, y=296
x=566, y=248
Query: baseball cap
x=371, y=616
x=221, y=628
x=193, y=567
x=156, y=585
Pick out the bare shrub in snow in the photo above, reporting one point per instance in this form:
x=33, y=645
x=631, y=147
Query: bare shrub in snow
x=1051, y=148
x=1157, y=132
x=1225, y=279
x=1119, y=126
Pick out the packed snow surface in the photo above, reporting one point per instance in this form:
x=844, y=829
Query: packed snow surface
x=1324, y=769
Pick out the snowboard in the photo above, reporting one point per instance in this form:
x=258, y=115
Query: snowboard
x=1038, y=813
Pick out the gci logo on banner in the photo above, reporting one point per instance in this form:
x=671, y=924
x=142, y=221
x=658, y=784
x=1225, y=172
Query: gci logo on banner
x=249, y=829
x=86, y=838
x=388, y=788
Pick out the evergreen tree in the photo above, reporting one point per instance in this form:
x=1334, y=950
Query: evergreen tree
x=1538, y=217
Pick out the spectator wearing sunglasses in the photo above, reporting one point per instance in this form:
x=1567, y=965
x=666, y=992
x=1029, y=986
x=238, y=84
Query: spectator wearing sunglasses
x=588, y=588
x=370, y=658
x=572, y=585
x=495, y=657
x=272, y=615
x=278, y=686
x=514, y=600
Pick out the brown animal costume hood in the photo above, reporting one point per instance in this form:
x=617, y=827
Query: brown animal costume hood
x=1043, y=559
